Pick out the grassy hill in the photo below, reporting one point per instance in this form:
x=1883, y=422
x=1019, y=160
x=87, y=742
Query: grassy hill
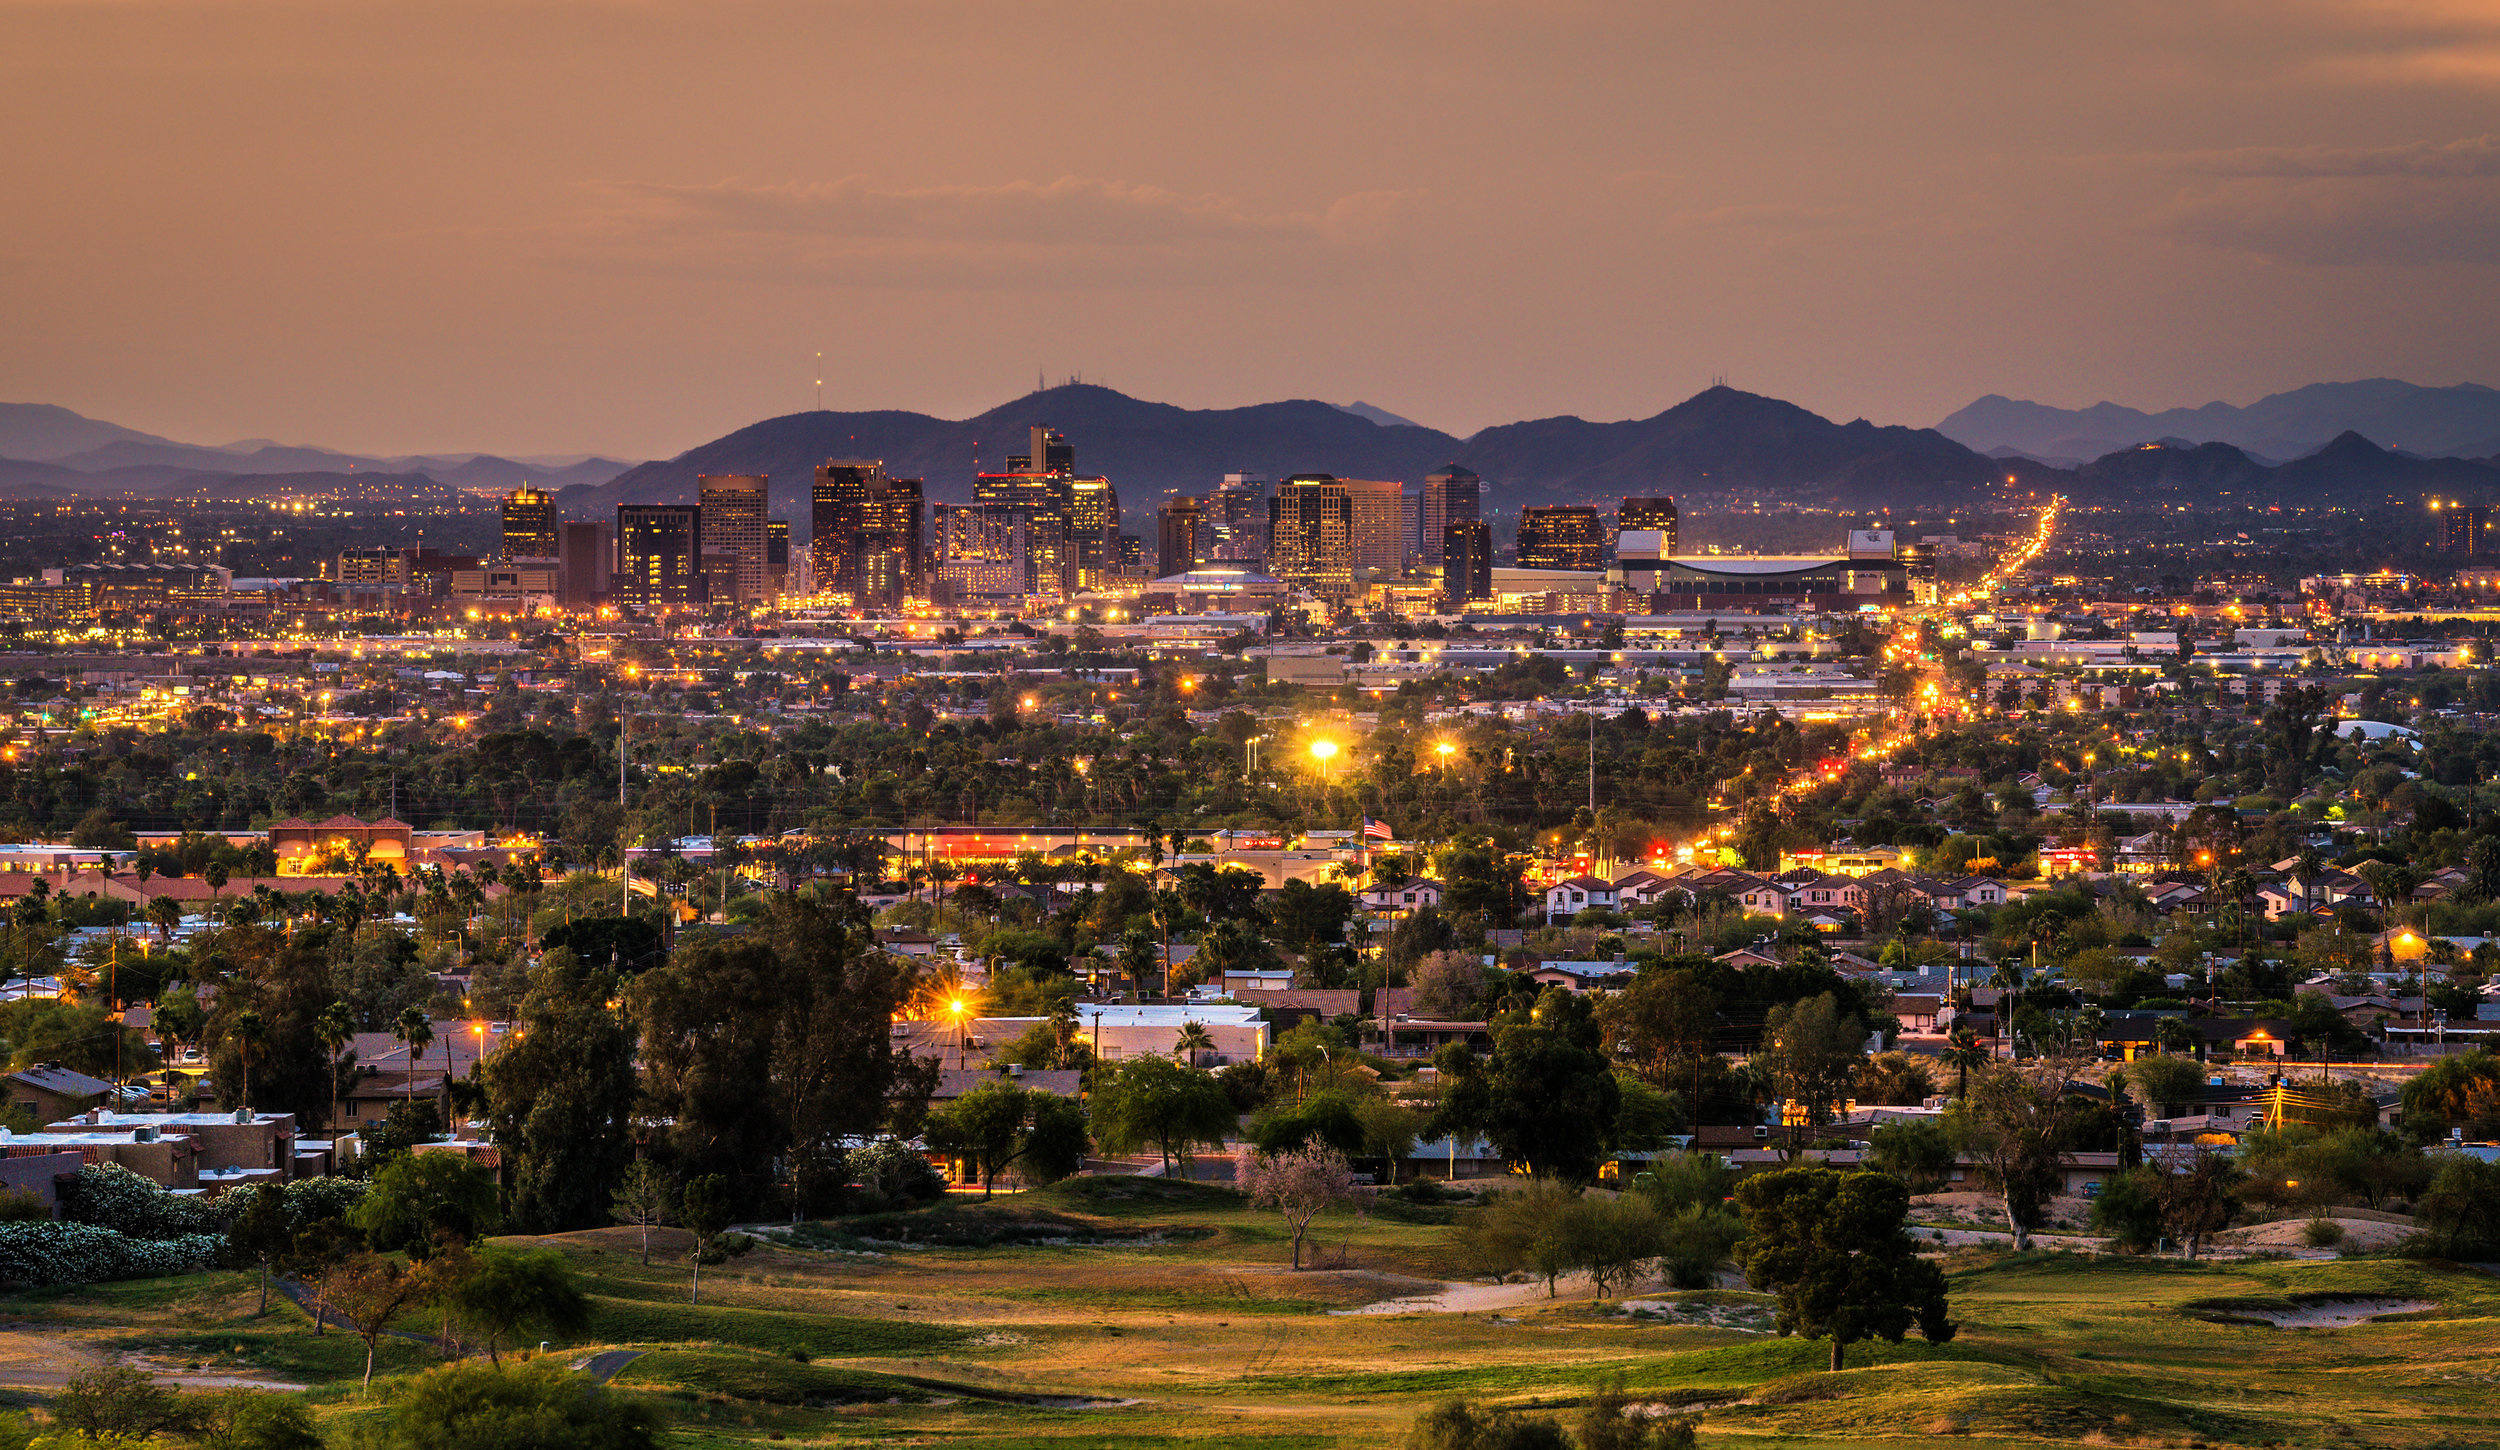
x=1134, y=1313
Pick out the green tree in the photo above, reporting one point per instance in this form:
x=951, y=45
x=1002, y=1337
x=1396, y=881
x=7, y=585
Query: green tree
x=998, y=1126
x=1547, y=1098
x=1918, y=1153
x=1459, y=1425
x=261, y=1232
x=536, y=1406
x=644, y=1199
x=559, y=1099
x=707, y=1208
x=1154, y=1102
x=774, y=1046
x=420, y=1199
x=1811, y=1052
x=511, y=1289
x=2459, y=1215
x=1835, y=1248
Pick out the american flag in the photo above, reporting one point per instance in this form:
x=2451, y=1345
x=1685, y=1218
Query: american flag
x=1377, y=830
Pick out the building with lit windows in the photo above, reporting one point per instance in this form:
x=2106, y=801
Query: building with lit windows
x=529, y=524
x=1453, y=495
x=734, y=507
x=1310, y=539
x=659, y=556
x=1649, y=515
x=1561, y=536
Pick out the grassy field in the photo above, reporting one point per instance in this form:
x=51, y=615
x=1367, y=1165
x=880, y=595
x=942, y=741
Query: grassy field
x=1111, y=1314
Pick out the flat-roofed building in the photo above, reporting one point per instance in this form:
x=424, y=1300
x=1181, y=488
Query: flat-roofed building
x=734, y=507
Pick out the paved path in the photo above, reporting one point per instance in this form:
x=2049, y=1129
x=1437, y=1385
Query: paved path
x=604, y=1365
x=1460, y=1297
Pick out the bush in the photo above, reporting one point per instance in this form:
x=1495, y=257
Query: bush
x=40, y=1252
x=1695, y=1242
x=2129, y=1210
x=116, y=1400
x=1458, y=1425
x=534, y=1406
x=109, y=1196
x=2460, y=1214
x=2321, y=1233
x=887, y=1175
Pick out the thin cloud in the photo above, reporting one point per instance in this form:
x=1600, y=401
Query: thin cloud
x=1073, y=231
x=2472, y=156
x=2402, y=219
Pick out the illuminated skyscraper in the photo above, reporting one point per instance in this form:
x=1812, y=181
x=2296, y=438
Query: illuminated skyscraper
x=1379, y=535
x=1235, y=519
x=733, y=523
x=1561, y=536
x=981, y=552
x=1451, y=496
x=529, y=524
x=866, y=545
x=2462, y=529
x=1093, y=531
x=1466, y=563
x=659, y=555
x=1178, y=530
x=1639, y=514
x=1311, y=534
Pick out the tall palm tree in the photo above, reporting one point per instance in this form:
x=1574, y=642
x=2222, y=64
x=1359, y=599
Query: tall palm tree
x=1962, y=1053
x=335, y=1027
x=1193, y=1040
x=416, y=1029
x=246, y=1030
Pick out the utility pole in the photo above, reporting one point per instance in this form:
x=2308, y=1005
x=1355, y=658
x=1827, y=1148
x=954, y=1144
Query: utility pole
x=624, y=863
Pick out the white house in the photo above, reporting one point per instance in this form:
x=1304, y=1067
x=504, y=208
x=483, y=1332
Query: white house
x=1406, y=897
x=1578, y=894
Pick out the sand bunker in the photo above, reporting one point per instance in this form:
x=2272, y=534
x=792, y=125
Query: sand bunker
x=2335, y=1313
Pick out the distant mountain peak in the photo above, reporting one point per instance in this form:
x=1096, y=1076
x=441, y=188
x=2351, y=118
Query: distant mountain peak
x=1381, y=416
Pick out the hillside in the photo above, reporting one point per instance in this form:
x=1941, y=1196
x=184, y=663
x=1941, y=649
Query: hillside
x=2461, y=421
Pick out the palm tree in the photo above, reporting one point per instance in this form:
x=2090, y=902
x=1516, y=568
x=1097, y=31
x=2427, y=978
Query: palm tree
x=1193, y=1040
x=246, y=1030
x=1962, y=1053
x=335, y=1027
x=415, y=1029
x=1164, y=904
x=164, y=913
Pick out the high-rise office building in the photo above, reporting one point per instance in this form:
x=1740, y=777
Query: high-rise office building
x=1466, y=563
x=734, y=507
x=529, y=524
x=777, y=558
x=659, y=555
x=1646, y=514
x=1235, y=520
x=585, y=560
x=1045, y=501
x=1093, y=531
x=1451, y=496
x=1561, y=536
x=2462, y=530
x=1379, y=541
x=1178, y=524
x=1311, y=534
x=981, y=552
x=1048, y=451
x=868, y=531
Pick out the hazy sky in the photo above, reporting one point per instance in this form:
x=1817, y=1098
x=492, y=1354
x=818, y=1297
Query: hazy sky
x=629, y=225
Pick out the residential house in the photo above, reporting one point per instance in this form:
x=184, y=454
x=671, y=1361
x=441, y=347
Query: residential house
x=51, y=1092
x=1578, y=893
x=237, y=1147
x=1404, y=898
x=1582, y=976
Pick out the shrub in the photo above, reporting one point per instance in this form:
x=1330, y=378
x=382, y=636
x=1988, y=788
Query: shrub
x=1458, y=1425
x=2460, y=1214
x=40, y=1252
x=888, y=1175
x=2129, y=1210
x=1695, y=1242
x=534, y=1406
x=110, y=1196
x=116, y=1400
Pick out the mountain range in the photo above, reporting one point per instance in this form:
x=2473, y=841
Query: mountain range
x=1717, y=442
x=2458, y=422
x=48, y=451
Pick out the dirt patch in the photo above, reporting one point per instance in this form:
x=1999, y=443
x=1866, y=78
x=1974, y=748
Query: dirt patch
x=2324, y=1311
x=1751, y=1318
x=2286, y=1236
x=1466, y=1298
x=36, y=1359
